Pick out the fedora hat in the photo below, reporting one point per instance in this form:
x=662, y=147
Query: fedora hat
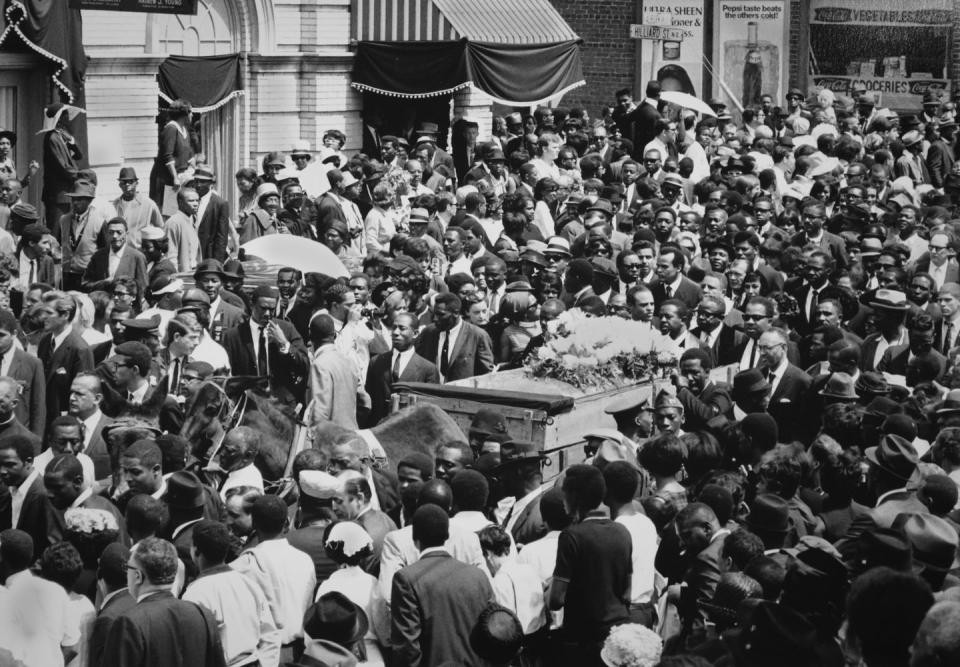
x=348, y=180
x=888, y=299
x=773, y=634
x=534, y=257
x=519, y=451
x=894, y=455
x=933, y=540
x=870, y=247
x=428, y=128
x=127, y=174
x=83, y=189
x=605, y=206
x=769, y=513
x=203, y=173
x=265, y=190
x=871, y=384
x=748, y=382
x=184, y=491
x=557, y=245
x=841, y=387
x=25, y=212
x=419, y=216
x=334, y=618
x=208, y=266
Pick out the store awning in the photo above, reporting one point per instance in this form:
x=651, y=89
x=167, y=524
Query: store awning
x=519, y=53
x=206, y=82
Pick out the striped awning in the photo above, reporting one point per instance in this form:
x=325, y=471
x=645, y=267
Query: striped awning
x=492, y=21
x=520, y=52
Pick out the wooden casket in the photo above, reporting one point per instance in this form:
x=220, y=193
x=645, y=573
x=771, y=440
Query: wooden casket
x=550, y=413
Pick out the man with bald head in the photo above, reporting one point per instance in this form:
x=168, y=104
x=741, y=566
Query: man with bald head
x=938, y=640
x=702, y=538
x=63, y=481
x=333, y=383
x=788, y=384
x=86, y=395
x=399, y=549
x=240, y=447
x=27, y=371
x=9, y=424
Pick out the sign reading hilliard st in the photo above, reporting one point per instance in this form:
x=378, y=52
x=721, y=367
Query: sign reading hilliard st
x=642, y=31
x=151, y=6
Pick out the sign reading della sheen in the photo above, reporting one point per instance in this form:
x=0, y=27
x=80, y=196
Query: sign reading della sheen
x=145, y=6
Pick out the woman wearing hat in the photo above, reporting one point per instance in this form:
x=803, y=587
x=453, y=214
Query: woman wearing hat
x=8, y=168
x=263, y=221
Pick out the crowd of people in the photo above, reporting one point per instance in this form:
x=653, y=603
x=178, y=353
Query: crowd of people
x=791, y=498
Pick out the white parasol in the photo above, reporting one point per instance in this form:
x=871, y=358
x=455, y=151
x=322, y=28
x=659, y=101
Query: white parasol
x=687, y=101
x=297, y=252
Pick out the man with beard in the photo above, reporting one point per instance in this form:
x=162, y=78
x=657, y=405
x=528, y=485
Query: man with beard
x=702, y=399
x=906, y=359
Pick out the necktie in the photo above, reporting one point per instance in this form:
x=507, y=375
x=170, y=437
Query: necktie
x=814, y=300
x=668, y=291
x=131, y=398
x=444, y=353
x=396, y=367
x=193, y=221
x=175, y=376
x=948, y=338
x=262, y=353
x=753, y=354
x=282, y=312
x=33, y=272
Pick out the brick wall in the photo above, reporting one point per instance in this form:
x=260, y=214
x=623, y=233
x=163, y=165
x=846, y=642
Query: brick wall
x=608, y=51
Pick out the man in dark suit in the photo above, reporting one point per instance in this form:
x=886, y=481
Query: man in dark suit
x=814, y=217
x=161, y=629
x=577, y=283
x=790, y=384
x=940, y=261
x=401, y=364
x=916, y=359
x=86, y=395
x=209, y=277
x=892, y=464
x=214, y=227
x=671, y=283
x=23, y=499
x=118, y=260
x=435, y=602
x=521, y=472
x=723, y=340
x=702, y=398
x=816, y=278
x=117, y=601
x=264, y=346
x=470, y=353
x=644, y=119
x=940, y=156
x=702, y=536
x=35, y=264
x=64, y=354
x=31, y=406
x=746, y=246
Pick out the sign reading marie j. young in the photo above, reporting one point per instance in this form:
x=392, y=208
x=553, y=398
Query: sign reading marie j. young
x=151, y=6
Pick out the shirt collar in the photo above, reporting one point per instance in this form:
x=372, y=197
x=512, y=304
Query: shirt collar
x=28, y=482
x=82, y=498
x=430, y=550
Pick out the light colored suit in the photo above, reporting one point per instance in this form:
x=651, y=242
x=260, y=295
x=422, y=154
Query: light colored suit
x=184, y=243
x=333, y=388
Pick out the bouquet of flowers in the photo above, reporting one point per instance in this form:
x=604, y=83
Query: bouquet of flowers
x=90, y=531
x=632, y=645
x=601, y=352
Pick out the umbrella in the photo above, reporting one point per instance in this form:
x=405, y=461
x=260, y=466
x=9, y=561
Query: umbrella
x=297, y=252
x=687, y=101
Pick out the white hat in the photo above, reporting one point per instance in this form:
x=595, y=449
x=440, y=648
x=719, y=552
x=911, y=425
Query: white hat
x=320, y=485
x=175, y=285
x=353, y=537
x=151, y=233
x=301, y=147
x=825, y=167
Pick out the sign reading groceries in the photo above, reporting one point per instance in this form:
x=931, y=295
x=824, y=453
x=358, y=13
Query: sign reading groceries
x=894, y=93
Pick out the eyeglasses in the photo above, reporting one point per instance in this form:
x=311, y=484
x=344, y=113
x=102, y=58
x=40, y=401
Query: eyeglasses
x=768, y=348
x=127, y=567
x=937, y=248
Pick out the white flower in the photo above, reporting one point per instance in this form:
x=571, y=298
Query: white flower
x=632, y=645
x=89, y=521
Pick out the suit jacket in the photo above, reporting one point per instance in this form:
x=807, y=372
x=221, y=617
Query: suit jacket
x=379, y=383
x=529, y=525
x=701, y=577
x=896, y=360
x=377, y=524
x=228, y=316
x=787, y=403
x=725, y=346
x=953, y=268
x=163, y=631
x=61, y=366
x=804, y=325
x=881, y=516
x=435, y=605
x=31, y=410
x=287, y=371
x=700, y=408
x=909, y=165
x=133, y=266
x=688, y=292
x=36, y=515
x=471, y=355
x=830, y=243
x=97, y=449
x=114, y=608
x=299, y=316
x=333, y=388
x=641, y=122
x=214, y=228
x=939, y=162
x=940, y=331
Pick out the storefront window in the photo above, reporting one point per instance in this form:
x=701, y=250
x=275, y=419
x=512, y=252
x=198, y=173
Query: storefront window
x=896, y=48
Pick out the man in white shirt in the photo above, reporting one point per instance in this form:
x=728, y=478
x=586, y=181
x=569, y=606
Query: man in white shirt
x=285, y=574
x=248, y=632
x=86, y=394
x=37, y=626
x=65, y=436
x=237, y=453
x=457, y=261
